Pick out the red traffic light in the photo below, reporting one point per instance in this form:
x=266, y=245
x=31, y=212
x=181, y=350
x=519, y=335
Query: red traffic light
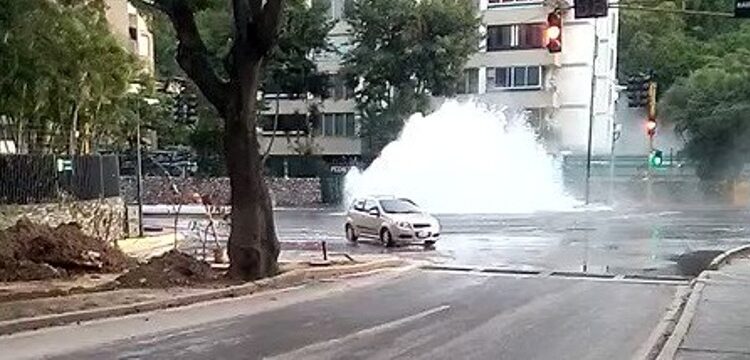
x=651, y=127
x=553, y=33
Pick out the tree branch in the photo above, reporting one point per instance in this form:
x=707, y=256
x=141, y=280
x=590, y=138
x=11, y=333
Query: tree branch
x=242, y=15
x=151, y=5
x=270, y=24
x=192, y=54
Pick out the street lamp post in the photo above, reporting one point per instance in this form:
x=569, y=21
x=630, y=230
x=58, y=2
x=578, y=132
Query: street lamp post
x=139, y=170
x=135, y=89
x=592, y=114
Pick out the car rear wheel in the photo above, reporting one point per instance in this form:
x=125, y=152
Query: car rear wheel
x=386, y=238
x=351, y=236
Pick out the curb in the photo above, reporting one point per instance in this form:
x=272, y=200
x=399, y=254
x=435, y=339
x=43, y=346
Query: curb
x=672, y=344
x=659, y=336
x=726, y=256
x=288, y=279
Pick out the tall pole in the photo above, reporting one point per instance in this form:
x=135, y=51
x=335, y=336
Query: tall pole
x=615, y=135
x=139, y=171
x=591, y=114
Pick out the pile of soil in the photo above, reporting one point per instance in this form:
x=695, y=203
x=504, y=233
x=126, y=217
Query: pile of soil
x=30, y=251
x=169, y=270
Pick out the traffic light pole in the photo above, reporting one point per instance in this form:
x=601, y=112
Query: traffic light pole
x=591, y=114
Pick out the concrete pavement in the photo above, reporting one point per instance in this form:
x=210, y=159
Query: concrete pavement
x=720, y=326
x=419, y=315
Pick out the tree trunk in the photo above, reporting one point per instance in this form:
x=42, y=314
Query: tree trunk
x=253, y=247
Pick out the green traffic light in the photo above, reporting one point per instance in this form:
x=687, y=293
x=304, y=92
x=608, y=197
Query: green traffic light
x=656, y=158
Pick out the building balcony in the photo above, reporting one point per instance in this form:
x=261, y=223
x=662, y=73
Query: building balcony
x=511, y=58
x=516, y=99
x=291, y=143
x=291, y=106
x=513, y=12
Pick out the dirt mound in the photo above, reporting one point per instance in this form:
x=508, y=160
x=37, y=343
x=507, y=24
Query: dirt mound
x=30, y=251
x=171, y=269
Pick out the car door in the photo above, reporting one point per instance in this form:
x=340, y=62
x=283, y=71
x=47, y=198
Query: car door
x=370, y=223
x=357, y=215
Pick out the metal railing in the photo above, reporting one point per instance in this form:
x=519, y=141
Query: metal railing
x=33, y=179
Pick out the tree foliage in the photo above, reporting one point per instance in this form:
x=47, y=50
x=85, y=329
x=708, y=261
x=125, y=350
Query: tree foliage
x=710, y=109
x=288, y=69
x=701, y=68
x=403, y=51
x=62, y=72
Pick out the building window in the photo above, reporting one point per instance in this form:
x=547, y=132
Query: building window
x=144, y=46
x=534, y=117
x=517, y=77
x=338, y=89
x=493, y=3
x=469, y=82
x=518, y=36
x=339, y=124
x=337, y=9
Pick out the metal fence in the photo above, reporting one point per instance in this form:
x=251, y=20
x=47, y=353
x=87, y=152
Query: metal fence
x=30, y=179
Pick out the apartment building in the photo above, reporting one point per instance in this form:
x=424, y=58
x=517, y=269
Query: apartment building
x=305, y=142
x=514, y=69
x=130, y=27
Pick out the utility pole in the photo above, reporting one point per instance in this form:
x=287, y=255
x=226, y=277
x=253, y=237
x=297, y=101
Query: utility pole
x=591, y=113
x=616, y=132
x=139, y=170
x=135, y=90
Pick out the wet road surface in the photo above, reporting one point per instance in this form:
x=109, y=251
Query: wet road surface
x=615, y=241
x=416, y=315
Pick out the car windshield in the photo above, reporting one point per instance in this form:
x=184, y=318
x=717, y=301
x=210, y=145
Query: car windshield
x=398, y=206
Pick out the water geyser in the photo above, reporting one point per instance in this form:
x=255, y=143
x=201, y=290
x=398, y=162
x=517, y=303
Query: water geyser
x=465, y=158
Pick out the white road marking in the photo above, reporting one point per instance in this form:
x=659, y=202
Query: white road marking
x=375, y=330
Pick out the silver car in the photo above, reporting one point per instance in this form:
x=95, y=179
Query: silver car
x=391, y=220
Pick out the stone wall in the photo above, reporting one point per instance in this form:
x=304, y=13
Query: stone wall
x=102, y=218
x=293, y=192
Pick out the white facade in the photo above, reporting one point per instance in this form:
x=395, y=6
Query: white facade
x=130, y=27
x=514, y=69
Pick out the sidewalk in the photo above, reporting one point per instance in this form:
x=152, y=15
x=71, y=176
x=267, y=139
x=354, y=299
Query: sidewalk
x=149, y=246
x=720, y=327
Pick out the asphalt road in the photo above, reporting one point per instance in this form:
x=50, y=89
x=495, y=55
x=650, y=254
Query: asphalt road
x=419, y=315
x=633, y=240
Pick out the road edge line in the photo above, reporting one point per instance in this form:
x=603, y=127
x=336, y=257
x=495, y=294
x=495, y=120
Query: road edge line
x=288, y=279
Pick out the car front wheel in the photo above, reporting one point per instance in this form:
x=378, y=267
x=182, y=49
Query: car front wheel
x=386, y=238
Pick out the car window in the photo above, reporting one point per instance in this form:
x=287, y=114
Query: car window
x=399, y=206
x=359, y=205
x=370, y=204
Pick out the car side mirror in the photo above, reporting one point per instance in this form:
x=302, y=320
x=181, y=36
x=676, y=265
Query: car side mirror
x=374, y=212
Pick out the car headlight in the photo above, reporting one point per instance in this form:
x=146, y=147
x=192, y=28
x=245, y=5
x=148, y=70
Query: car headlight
x=404, y=225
